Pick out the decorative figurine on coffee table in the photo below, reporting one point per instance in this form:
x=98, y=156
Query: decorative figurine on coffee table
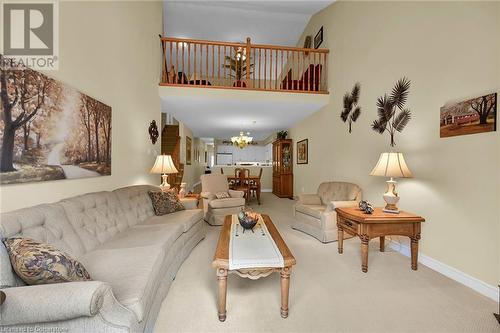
x=366, y=207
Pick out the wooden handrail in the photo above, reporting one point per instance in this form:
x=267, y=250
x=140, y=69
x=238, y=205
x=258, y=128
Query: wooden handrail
x=243, y=65
x=262, y=46
x=200, y=41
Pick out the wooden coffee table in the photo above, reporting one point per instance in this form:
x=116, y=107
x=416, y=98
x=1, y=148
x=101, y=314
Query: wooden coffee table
x=221, y=263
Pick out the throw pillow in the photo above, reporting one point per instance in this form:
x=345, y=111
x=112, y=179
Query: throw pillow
x=165, y=202
x=222, y=195
x=38, y=263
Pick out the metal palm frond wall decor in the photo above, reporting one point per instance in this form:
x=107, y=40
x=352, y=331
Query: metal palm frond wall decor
x=351, y=111
x=392, y=114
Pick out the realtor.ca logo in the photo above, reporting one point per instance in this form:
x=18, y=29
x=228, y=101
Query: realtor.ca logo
x=30, y=34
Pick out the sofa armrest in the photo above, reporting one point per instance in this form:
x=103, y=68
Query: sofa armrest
x=53, y=302
x=236, y=194
x=309, y=199
x=340, y=204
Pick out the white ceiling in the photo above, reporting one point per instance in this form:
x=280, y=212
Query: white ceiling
x=265, y=22
x=221, y=114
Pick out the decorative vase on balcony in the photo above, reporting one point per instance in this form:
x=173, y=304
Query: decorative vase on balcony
x=239, y=84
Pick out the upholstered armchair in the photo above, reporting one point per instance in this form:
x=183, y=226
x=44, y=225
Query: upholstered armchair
x=216, y=209
x=315, y=213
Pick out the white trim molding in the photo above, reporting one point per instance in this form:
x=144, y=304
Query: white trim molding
x=469, y=281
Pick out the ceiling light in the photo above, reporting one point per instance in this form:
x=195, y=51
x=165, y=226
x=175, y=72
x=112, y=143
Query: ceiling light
x=242, y=140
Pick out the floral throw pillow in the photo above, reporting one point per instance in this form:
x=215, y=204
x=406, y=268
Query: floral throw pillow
x=165, y=202
x=38, y=263
x=222, y=195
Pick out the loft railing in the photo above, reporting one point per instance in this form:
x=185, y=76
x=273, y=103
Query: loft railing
x=202, y=63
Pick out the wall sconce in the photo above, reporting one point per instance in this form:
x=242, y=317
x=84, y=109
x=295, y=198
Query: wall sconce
x=153, y=132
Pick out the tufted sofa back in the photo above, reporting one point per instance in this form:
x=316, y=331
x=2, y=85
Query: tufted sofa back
x=45, y=223
x=135, y=202
x=96, y=217
x=338, y=191
x=79, y=224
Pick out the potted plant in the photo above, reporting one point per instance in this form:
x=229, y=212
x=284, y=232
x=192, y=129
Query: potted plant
x=238, y=66
x=281, y=135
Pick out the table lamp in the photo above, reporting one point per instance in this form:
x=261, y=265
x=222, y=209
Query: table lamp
x=165, y=166
x=391, y=165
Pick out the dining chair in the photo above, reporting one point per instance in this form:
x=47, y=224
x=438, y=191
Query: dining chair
x=241, y=173
x=242, y=181
x=255, y=186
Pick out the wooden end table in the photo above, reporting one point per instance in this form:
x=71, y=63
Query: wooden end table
x=221, y=264
x=379, y=224
x=193, y=197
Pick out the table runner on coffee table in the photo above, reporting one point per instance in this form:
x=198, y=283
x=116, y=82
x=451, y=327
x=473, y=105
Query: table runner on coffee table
x=255, y=249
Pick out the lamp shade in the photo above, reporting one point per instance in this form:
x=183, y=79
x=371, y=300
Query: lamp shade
x=164, y=165
x=391, y=165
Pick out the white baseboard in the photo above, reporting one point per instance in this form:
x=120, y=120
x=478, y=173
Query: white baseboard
x=469, y=281
x=266, y=190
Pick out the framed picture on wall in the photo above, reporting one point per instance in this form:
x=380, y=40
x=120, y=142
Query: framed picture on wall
x=302, y=152
x=189, y=150
x=318, y=39
x=51, y=134
x=472, y=116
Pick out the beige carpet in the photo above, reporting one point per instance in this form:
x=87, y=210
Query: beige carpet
x=328, y=292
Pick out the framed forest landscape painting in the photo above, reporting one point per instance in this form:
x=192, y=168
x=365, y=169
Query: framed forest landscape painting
x=302, y=152
x=476, y=115
x=50, y=131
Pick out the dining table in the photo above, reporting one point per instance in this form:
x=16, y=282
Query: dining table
x=249, y=179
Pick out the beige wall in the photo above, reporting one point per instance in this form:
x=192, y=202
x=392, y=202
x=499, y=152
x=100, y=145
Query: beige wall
x=450, y=51
x=110, y=51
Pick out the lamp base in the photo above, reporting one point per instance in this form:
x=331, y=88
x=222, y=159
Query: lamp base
x=165, y=186
x=391, y=198
x=392, y=210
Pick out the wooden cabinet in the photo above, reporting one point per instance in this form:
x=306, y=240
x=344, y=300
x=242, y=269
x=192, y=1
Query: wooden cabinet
x=283, y=168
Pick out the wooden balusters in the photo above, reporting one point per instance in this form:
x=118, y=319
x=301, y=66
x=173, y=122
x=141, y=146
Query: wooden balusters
x=260, y=61
x=164, y=62
x=248, y=59
x=206, y=66
x=194, y=67
x=260, y=67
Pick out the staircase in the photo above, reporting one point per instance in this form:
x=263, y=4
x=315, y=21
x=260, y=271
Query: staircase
x=171, y=145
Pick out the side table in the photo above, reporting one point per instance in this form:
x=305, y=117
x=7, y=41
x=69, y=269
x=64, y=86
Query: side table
x=379, y=224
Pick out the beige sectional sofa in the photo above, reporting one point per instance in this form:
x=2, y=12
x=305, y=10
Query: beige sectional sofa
x=131, y=254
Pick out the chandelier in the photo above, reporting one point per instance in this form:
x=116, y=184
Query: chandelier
x=241, y=141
